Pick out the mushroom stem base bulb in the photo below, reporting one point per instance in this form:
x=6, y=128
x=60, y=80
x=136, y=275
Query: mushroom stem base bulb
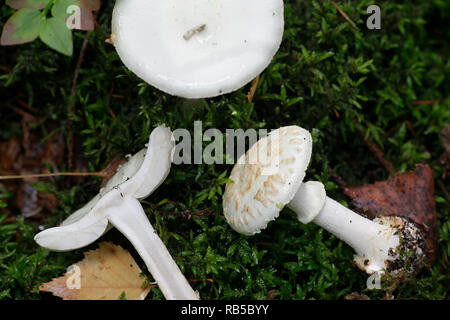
x=379, y=244
x=253, y=199
x=408, y=258
x=390, y=244
x=373, y=243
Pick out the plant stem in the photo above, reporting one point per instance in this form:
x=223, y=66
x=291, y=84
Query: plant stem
x=371, y=241
x=47, y=9
x=58, y=174
x=130, y=219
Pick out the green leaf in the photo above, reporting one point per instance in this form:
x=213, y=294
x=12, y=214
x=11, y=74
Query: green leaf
x=21, y=27
x=56, y=35
x=33, y=4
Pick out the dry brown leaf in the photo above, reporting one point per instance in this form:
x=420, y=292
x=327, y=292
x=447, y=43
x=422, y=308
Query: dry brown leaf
x=104, y=274
x=30, y=155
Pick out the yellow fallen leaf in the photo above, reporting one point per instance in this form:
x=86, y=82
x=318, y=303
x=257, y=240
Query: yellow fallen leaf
x=108, y=273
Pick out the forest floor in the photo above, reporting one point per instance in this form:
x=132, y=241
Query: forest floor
x=366, y=95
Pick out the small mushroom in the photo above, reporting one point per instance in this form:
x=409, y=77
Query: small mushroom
x=197, y=48
x=117, y=204
x=255, y=198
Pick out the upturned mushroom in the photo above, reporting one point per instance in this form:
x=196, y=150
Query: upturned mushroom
x=260, y=189
x=197, y=48
x=117, y=204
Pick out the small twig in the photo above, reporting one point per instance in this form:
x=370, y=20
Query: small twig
x=425, y=102
x=72, y=102
x=78, y=66
x=253, y=88
x=26, y=105
x=266, y=244
x=408, y=126
x=26, y=119
x=113, y=115
x=342, y=12
x=188, y=35
x=71, y=105
x=155, y=284
x=11, y=219
x=6, y=69
x=187, y=214
x=21, y=112
x=445, y=258
x=336, y=113
x=388, y=132
x=378, y=153
x=199, y=280
x=444, y=190
x=411, y=129
x=340, y=181
x=46, y=175
x=272, y=294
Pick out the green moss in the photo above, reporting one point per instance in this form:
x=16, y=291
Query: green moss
x=328, y=77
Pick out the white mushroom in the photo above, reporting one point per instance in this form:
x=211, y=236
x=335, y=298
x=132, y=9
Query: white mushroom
x=118, y=204
x=254, y=198
x=197, y=48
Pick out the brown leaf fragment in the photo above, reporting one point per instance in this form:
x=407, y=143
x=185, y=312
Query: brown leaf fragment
x=9, y=151
x=273, y=294
x=30, y=155
x=342, y=12
x=408, y=195
x=104, y=274
x=111, y=169
x=356, y=296
x=425, y=102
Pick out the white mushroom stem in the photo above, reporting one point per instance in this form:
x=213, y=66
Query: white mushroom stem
x=373, y=243
x=131, y=220
x=117, y=204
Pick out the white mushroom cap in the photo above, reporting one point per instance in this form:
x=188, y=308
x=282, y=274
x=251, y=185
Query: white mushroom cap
x=118, y=205
x=124, y=172
x=155, y=166
x=255, y=198
x=138, y=177
x=197, y=48
x=260, y=189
